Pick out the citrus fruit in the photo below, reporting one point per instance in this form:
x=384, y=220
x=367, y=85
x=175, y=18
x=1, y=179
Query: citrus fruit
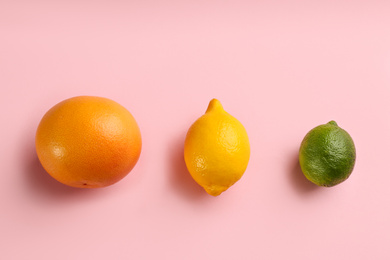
x=327, y=155
x=88, y=142
x=216, y=149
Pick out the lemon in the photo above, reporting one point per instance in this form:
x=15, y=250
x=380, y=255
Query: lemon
x=327, y=155
x=216, y=149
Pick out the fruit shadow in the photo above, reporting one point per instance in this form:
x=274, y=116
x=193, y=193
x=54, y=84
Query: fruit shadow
x=180, y=178
x=41, y=185
x=298, y=179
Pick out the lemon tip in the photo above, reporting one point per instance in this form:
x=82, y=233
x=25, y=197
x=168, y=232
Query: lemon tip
x=214, y=104
x=215, y=190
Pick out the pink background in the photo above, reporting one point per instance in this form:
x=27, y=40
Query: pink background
x=280, y=67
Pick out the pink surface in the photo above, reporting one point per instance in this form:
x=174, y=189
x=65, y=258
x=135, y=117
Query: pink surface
x=280, y=68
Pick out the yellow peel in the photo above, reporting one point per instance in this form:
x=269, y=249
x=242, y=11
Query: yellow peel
x=216, y=149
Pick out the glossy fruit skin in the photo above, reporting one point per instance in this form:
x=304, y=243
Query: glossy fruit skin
x=88, y=142
x=327, y=155
x=216, y=150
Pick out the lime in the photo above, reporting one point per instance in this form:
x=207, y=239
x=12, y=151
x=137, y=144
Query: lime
x=327, y=155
